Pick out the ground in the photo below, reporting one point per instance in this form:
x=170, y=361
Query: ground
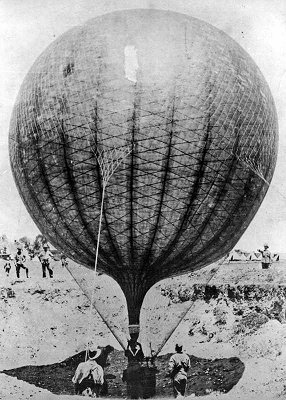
x=233, y=328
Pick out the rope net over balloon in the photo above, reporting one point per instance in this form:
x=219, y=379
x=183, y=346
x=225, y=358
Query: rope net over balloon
x=203, y=128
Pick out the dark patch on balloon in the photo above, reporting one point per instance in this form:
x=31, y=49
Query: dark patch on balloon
x=68, y=70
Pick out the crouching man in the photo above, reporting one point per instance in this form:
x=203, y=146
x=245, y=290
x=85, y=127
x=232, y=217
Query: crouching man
x=179, y=365
x=88, y=378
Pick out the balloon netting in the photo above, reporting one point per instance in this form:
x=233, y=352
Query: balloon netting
x=203, y=129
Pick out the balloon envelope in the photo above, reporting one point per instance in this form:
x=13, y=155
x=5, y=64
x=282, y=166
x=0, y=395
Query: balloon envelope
x=203, y=129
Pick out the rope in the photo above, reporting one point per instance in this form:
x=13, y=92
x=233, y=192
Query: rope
x=188, y=309
x=108, y=162
x=99, y=313
x=274, y=186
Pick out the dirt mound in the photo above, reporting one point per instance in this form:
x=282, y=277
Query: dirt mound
x=234, y=331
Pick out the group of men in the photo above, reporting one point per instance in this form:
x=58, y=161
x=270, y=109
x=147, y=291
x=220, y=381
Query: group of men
x=89, y=375
x=45, y=258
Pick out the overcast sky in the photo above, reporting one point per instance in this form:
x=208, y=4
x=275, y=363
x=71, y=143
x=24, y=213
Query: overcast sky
x=27, y=27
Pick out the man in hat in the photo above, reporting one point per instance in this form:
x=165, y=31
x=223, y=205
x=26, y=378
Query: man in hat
x=45, y=258
x=133, y=374
x=20, y=260
x=179, y=365
x=266, y=257
x=89, y=376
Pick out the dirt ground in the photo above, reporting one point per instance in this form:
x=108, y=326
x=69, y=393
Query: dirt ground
x=234, y=332
x=214, y=375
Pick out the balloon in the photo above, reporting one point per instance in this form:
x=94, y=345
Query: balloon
x=201, y=123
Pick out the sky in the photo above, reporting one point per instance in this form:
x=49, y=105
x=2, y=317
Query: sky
x=27, y=27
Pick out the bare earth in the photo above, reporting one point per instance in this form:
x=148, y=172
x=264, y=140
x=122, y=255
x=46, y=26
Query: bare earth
x=239, y=316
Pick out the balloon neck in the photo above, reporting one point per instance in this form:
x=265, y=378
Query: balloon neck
x=134, y=329
x=134, y=295
x=134, y=304
x=134, y=308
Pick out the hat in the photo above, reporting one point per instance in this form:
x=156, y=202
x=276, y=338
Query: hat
x=45, y=245
x=179, y=346
x=266, y=245
x=92, y=356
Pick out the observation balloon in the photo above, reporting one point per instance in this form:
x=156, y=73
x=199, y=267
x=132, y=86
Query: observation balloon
x=200, y=128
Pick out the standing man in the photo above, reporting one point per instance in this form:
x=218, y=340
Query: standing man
x=7, y=265
x=64, y=260
x=45, y=258
x=133, y=374
x=179, y=365
x=266, y=257
x=20, y=260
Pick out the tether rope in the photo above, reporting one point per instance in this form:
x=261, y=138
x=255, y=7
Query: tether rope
x=108, y=162
x=97, y=310
x=188, y=309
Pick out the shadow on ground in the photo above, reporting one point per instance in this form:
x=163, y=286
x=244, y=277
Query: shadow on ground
x=205, y=376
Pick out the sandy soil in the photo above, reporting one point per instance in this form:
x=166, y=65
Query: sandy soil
x=46, y=322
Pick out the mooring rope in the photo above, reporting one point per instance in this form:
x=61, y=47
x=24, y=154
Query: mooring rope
x=108, y=162
x=188, y=309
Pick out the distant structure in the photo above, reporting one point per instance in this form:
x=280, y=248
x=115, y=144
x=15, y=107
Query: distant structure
x=244, y=256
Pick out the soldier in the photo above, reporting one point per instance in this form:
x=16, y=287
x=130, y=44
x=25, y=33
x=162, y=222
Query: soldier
x=20, y=260
x=7, y=265
x=266, y=257
x=179, y=365
x=133, y=374
x=45, y=258
x=64, y=261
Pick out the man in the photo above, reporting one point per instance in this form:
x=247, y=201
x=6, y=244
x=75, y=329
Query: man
x=178, y=366
x=266, y=257
x=64, y=261
x=89, y=377
x=7, y=265
x=45, y=258
x=133, y=374
x=20, y=260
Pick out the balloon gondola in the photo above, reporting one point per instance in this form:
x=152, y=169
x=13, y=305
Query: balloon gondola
x=201, y=124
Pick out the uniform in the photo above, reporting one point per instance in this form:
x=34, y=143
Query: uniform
x=178, y=366
x=64, y=261
x=7, y=267
x=266, y=257
x=45, y=258
x=20, y=260
x=133, y=373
